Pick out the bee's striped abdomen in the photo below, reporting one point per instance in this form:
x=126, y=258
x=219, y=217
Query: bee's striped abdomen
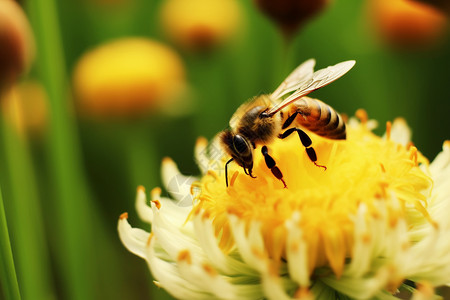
x=319, y=118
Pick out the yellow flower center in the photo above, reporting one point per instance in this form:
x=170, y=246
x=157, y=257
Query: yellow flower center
x=362, y=169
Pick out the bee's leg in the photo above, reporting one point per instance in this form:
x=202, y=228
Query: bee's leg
x=270, y=162
x=289, y=120
x=306, y=142
x=226, y=170
x=250, y=173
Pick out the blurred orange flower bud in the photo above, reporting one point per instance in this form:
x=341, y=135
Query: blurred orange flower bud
x=25, y=107
x=407, y=23
x=289, y=15
x=200, y=24
x=128, y=78
x=16, y=42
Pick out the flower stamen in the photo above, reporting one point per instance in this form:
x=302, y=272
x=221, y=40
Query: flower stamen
x=361, y=114
x=388, y=130
x=184, y=255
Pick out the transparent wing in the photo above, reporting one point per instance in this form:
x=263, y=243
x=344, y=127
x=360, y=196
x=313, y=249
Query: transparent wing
x=302, y=73
x=318, y=79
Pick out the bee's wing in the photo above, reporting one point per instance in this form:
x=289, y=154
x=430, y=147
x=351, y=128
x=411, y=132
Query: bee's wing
x=318, y=79
x=302, y=73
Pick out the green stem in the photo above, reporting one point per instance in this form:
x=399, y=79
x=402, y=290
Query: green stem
x=72, y=201
x=213, y=101
x=142, y=154
x=8, y=278
x=33, y=263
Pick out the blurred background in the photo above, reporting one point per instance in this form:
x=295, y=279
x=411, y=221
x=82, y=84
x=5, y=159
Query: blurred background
x=94, y=93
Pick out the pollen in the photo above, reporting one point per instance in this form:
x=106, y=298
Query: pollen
x=209, y=270
x=361, y=114
x=157, y=204
x=364, y=170
x=185, y=255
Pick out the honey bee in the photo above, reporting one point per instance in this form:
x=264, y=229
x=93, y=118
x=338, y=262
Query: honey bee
x=264, y=118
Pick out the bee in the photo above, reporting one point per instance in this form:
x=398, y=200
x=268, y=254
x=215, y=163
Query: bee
x=278, y=115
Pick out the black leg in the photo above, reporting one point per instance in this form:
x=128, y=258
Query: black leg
x=226, y=170
x=271, y=164
x=289, y=120
x=306, y=142
x=250, y=173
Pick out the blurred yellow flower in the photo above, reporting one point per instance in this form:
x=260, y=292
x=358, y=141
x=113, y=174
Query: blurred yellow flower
x=290, y=15
x=376, y=217
x=200, y=24
x=127, y=78
x=16, y=42
x=407, y=23
x=25, y=108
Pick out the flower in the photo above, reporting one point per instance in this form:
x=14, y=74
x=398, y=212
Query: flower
x=25, y=108
x=375, y=222
x=128, y=77
x=407, y=23
x=16, y=42
x=289, y=15
x=200, y=24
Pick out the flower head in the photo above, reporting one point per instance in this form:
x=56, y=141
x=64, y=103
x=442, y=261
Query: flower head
x=407, y=23
x=200, y=24
x=25, y=108
x=374, y=219
x=16, y=42
x=127, y=78
x=290, y=15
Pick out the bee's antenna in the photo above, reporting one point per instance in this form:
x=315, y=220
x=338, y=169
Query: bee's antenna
x=226, y=170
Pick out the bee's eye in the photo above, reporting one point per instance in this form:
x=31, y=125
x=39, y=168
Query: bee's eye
x=240, y=144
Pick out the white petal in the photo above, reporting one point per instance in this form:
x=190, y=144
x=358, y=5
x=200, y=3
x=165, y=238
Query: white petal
x=440, y=173
x=400, y=132
x=251, y=246
x=297, y=252
x=175, y=214
x=144, y=211
x=362, y=248
x=430, y=259
x=355, y=123
x=201, y=154
x=397, y=245
x=203, y=277
x=440, y=196
x=210, y=156
x=134, y=239
x=170, y=279
x=275, y=288
x=208, y=242
x=172, y=238
x=442, y=161
x=178, y=185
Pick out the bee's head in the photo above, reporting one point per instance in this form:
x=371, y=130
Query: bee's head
x=239, y=148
